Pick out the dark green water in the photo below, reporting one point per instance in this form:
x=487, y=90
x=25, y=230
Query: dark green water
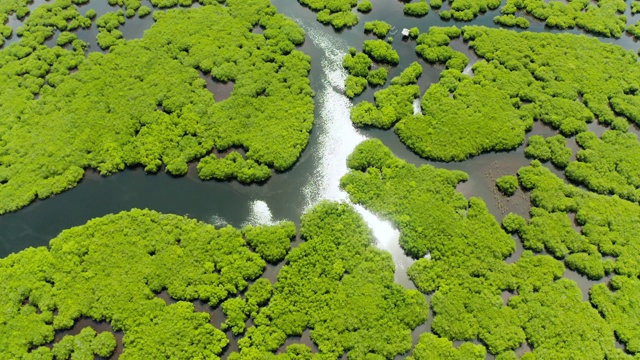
x=315, y=176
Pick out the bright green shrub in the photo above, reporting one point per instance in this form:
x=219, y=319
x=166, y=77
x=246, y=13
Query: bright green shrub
x=445, y=15
x=377, y=77
x=392, y=103
x=513, y=222
x=259, y=293
x=431, y=347
x=143, y=11
x=466, y=10
x=507, y=184
x=553, y=148
x=234, y=165
x=408, y=76
x=418, y=9
x=365, y=6
x=358, y=64
x=338, y=20
x=65, y=38
x=235, y=310
x=271, y=242
x=379, y=28
x=380, y=51
x=510, y=20
x=620, y=309
x=104, y=344
x=355, y=85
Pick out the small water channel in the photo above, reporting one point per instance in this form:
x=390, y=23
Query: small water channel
x=314, y=177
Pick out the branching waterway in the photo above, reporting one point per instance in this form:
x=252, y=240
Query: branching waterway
x=287, y=195
x=316, y=176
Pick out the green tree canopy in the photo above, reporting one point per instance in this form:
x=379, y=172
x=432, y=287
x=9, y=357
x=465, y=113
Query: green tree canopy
x=461, y=253
x=521, y=77
x=109, y=270
x=609, y=165
x=143, y=103
x=340, y=286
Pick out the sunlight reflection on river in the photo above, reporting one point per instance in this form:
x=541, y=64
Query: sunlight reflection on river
x=338, y=138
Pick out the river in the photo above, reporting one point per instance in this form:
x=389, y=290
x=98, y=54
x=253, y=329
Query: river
x=314, y=177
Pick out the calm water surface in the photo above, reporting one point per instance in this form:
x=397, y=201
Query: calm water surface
x=315, y=176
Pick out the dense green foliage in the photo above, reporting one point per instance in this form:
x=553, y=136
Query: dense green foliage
x=378, y=27
x=60, y=15
x=409, y=189
x=608, y=241
x=377, y=77
x=461, y=116
x=620, y=308
x=341, y=287
x=234, y=165
x=634, y=29
x=392, y=103
x=418, y=9
x=513, y=222
x=84, y=345
x=433, y=47
x=414, y=32
x=465, y=267
x=602, y=17
x=466, y=10
x=143, y=11
x=522, y=77
x=258, y=294
x=66, y=38
x=431, y=347
x=511, y=21
x=365, y=6
x=271, y=242
x=109, y=269
x=144, y=103
x=10, y=7
x=507, y=184
x=357, y=64
x=336, y=12
x=336, y=283
x=109, y=34
x=129, y=5
x=238, y=309
x=553, y=148
x=235, y=310
x=381, y=52
x=354, y=86
x=91, y=14
x=609, y=165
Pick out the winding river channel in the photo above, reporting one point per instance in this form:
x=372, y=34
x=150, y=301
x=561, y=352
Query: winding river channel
x=314, y=177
